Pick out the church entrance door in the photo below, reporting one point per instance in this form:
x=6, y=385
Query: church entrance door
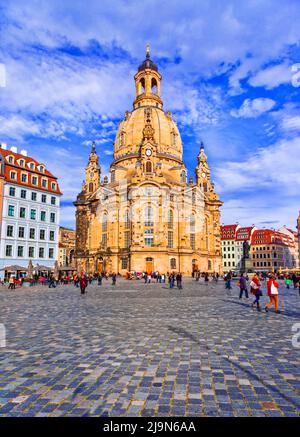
x=149, y=265
x=100, y=265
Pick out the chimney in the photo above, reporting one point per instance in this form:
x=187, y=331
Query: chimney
x=14, y=149
x=24, y=152
x=3, y=146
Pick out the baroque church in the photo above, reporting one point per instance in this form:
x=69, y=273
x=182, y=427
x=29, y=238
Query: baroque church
x=148, y=215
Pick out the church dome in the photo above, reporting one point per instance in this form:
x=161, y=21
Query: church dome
x=130, y=134
x=148, y=120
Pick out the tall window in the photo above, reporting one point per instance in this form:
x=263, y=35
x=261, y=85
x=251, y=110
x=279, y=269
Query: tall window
x=10, y=231
x=170, y=219
x=192, y=232
x=127, y=229
x=173, y=263
x=170, y=239
x=149, y=223
x=31, y=252
x=170, y=228
x=104, y=231
x=149, y=216
x=11, y=210
x=206, y=233
x=183, y=176
x=148, y=236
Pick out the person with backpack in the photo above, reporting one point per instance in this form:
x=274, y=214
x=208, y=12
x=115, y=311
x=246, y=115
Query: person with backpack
x=254, y=286
x=273, y=288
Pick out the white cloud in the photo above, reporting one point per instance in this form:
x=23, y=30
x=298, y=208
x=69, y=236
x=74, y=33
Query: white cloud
x=272, y=77
x=258, y=213
x=273, y=168
x=252, y=108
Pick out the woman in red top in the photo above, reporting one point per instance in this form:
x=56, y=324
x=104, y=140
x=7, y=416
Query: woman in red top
x=273, y=287
x=255, y=284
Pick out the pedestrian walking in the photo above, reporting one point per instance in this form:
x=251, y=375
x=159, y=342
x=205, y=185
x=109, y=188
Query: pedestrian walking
x=83, y=283
x=11, y=283
x=100, y=279
x=114, y=279
x=52, y=282
x=243, y=286
x=288, y=282
x=255, y=290
x=273, y=288
x=228, y=278
x=206, y=278
x=179, y=280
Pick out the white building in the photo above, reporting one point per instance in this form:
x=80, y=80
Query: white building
x=292, y=249
x=29, y=211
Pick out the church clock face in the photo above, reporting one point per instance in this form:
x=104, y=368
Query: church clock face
x=148, y=152
x=203, y=175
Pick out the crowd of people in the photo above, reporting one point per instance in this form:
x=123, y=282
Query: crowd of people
x=255, y=287
x=244, y=283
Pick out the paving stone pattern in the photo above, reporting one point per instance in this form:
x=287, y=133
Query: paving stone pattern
x=145, y=350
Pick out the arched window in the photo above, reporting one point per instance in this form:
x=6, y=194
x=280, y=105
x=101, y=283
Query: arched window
x=153, y=86
x=126, y=219
x=192, y=232
x=104, y=230
x=206, y=233
x=173, y=263
x=149, y=216
x=183, y=176
x=142, y=86
x=148, y=167
x=170, y=219
x=209, y=264
x=91, y=187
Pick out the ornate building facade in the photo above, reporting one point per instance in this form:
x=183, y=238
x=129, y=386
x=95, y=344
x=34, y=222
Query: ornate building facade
x=146, y=216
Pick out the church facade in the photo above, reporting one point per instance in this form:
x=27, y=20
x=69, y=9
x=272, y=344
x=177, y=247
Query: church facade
x=148, y=215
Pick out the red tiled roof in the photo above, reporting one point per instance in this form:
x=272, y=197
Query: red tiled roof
x=228, y=232
x=18, y=169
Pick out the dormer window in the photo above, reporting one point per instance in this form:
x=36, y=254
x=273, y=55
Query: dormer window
x=10, y=159
x=42, y=168
x=31, y=165
x=22, y=162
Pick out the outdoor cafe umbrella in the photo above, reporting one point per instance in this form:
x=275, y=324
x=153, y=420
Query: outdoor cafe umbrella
x=15, y=268
x=41, y=268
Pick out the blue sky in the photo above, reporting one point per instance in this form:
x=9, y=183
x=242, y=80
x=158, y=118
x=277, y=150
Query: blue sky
x=227, y=78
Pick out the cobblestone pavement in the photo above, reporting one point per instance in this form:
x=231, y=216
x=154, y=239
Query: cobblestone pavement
x=144, y=350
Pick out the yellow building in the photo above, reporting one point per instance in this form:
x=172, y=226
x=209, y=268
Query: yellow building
x=146, y=216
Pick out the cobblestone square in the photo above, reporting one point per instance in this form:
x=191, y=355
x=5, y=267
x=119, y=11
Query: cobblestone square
x=145, y=350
